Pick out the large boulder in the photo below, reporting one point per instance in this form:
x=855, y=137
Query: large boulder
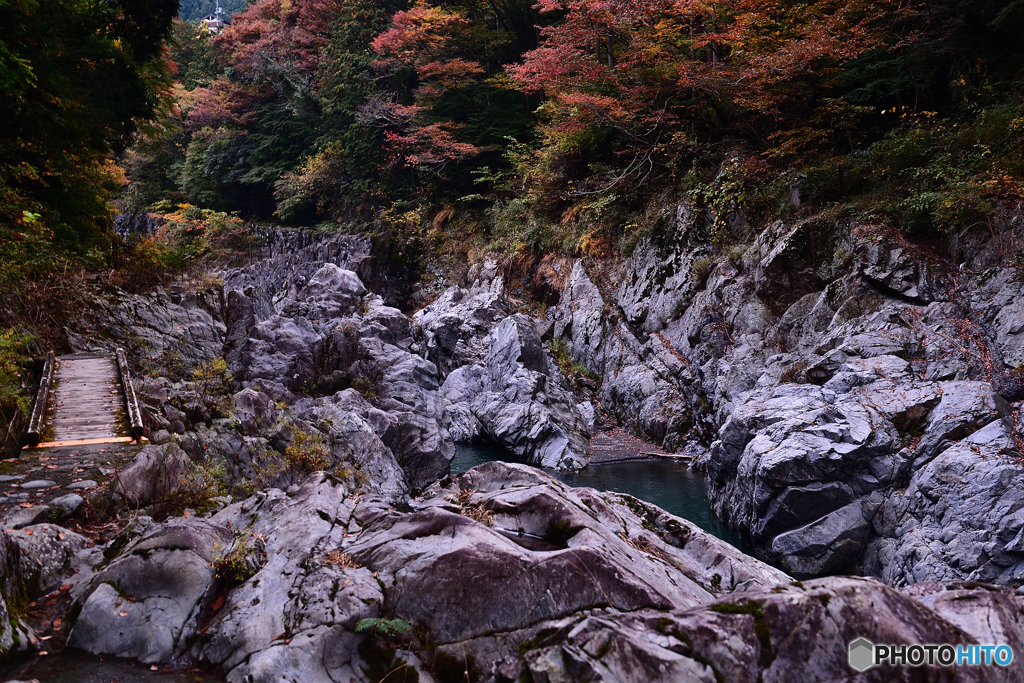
x=332, y=292
x=457, y=323
x=46, y=555
x=399, y=383
x=829, y=545
x=356, y=429
x=519, y=400
x=800, y=631
x=283, y=350
x=893, y=270
x=960, y=518
x=147, y=602
x=156, y=472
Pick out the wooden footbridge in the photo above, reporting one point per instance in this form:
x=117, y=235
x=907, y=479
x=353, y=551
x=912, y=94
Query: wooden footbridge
x=85, y=426
x=83, y=399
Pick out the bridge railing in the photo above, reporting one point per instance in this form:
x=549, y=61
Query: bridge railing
x=130, y=399
x=36, y=422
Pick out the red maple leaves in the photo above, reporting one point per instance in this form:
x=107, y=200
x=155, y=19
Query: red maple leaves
x=649, y=63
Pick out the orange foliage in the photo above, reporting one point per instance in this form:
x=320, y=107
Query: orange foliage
x=648, y=64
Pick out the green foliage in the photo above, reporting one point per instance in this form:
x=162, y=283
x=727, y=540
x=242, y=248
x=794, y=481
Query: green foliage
x=197, y=61
x=203, y=235
x=242, y=560
x=15, y=383
x=308, y=452
x=78, y=79
x=378, y=650
x=931, y=174
x=201, y=484
x=212, y=385
x=566, y=364
x=385, y=628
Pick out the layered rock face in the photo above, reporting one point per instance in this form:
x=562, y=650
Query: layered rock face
x=857, y=395
x=508, y=573
x=518, y=399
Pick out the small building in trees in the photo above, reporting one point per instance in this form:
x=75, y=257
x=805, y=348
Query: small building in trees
x=215, y=20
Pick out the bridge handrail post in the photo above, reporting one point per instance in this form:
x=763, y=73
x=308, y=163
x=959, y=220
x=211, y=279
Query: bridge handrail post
x=131, y=401
x=35, y=423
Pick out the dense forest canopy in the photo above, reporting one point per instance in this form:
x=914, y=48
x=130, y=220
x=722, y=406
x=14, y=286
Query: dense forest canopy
x=79, y=78
x=533, y=125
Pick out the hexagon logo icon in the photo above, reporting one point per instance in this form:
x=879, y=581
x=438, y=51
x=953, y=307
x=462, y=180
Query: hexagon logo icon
x=862, y=654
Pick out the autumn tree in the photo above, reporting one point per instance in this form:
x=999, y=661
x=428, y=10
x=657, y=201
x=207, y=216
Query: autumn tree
x=254, y=125
x=656, y=71
x=78, y=79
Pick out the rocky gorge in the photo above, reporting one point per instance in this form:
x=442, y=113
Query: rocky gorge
x=852, y=399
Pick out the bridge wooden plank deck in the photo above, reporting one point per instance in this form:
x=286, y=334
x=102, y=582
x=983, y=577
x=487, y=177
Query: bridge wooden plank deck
x=86, y=399
x=84, y=417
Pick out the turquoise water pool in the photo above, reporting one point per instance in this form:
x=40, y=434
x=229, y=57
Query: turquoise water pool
x=671, y=486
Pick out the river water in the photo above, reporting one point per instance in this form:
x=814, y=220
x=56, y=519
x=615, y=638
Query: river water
x=670, y=485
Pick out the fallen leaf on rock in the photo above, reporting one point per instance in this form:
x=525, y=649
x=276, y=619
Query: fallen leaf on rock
x=122, y=613
x=25, y=505
x=29, y=532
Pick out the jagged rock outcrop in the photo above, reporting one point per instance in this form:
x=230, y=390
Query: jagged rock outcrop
x=518, y=399
x=165, y=329
x=834, y=370
x=519, y=553
x=457, y=323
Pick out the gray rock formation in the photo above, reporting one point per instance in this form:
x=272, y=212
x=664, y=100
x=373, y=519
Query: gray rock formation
x=506, y=572
x=790, y=632
x=34, y=560
x=457, y=323
x=520, y=552
x=852, y=390
x=155, y=473
x=518, y=399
